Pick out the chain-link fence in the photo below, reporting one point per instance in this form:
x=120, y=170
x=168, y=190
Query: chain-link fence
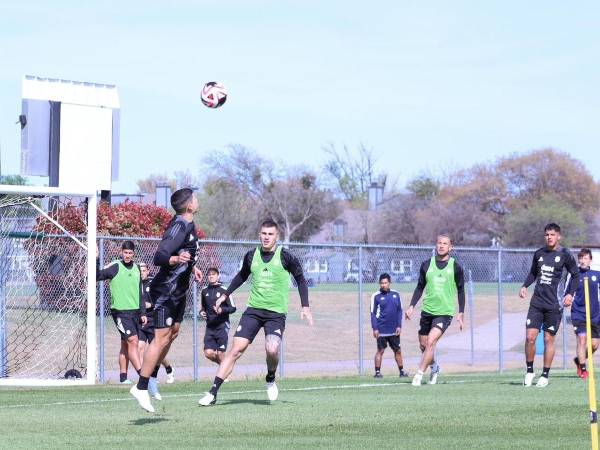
x=341, y=280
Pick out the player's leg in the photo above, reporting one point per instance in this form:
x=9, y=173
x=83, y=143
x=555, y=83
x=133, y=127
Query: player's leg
x=212, y=355
x=535, y=319
x=274, y=325
x=424, y=329
x=169, y=369
x=381, y=346
x=552, y=319
x=394, y=342
x=133, y=352
x=581, y=358
x=123, y=362
x=428, y=355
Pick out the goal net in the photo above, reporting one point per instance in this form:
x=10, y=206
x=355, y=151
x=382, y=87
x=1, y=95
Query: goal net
x=47, y=286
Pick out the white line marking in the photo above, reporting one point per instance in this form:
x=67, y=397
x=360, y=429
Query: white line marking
x=221, y=394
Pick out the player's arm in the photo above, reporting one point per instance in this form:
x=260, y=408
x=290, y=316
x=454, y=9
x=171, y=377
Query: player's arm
x=166, y=254
x=108, y=273
x=459, y=279
x=572, y=269
x=400, y=315
x=293, y=266
x=531, y=276
x=240, y=277
x=228, y=306
x=374, y=305
x=419, y=289
x=203, y=303
x=142, y=302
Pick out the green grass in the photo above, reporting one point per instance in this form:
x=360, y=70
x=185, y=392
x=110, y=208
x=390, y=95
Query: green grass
x=463, y=411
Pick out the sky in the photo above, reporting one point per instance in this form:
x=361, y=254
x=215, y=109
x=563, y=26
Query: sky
x=430, y=86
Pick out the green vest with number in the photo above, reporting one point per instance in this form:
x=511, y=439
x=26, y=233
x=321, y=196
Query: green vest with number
x=440, y=290
x=270, y=283
x=125, y=288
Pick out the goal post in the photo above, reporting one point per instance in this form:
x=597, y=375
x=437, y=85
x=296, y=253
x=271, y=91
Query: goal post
x=47, y=286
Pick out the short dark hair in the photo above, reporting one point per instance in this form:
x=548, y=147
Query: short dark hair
x=385, y=276
x=269, y=223
x=583, y=252
x=552, y=227
x=142, y=265
x=212, y=269
x=446, y=235
x=180, y=199
x=128, y=245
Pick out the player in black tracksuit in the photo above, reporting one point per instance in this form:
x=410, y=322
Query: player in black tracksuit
x=217, y=318
x=545, y=309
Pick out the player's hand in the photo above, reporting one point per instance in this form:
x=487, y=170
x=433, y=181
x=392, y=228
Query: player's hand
x=461, y=323
x=198, y=275
x=222, y=298
x=305, y=314
x=148, y=305
x=144, y=320
x=376, y=334
x=398, y=331
x=523, y=292
x=218, y=309
x=203, y=314
x=568, y=300
x=409, y=312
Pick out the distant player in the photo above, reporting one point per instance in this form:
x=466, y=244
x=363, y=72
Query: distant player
x=176, y=256
x=217, y=317
x=386, y=321
x=443, y=281
x=578, y=315
x=146, y=332
x=126, y=305
x=270, y=266
x=545, y=309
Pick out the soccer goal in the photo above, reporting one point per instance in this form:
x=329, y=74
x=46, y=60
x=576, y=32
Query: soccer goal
x=47, y=286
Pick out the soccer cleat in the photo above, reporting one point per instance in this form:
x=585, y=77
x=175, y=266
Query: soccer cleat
x=584, y=375
x=433, y=376
x=126, y=382
x=576, y=361
x=142, y=398
x=417, y=379
x=272, y=391
x=153, y=388
x=377, y=375
x=542, y=382
x=226, y=380
x=208, y=399
x=403, y=374
x=529, y=376
x=171, y=377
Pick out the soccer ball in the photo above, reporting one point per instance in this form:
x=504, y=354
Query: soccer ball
x=213, y=94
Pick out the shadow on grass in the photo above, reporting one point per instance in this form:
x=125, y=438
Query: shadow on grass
x=250, y=401
x=148, y=421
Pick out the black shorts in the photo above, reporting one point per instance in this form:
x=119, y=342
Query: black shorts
x=216, y=338
x=146, y=332
x=254, y=319
x=550, y=318
x=393, y=341
x=580, y=328
x=168, y=310
x=127, y=323
x=429, y=321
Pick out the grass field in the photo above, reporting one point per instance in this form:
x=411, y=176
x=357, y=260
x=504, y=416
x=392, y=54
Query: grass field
x=462, y=411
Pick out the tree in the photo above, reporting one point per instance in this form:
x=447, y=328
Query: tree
x=354, y=172
x=15, y=180
x=524, y=227
x=291, y=196
x=181, y=178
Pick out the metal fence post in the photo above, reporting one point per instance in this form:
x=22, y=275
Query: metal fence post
x=361, y=350
x=101, y=318
x=500, y=315
x=471, y=317
x=195, y=328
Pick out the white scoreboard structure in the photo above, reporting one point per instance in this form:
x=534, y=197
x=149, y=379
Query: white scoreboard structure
x=70, y=133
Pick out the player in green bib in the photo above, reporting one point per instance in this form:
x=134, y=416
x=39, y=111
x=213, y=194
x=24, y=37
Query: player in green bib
x=270, y=266
x=126, y=305
x=443, y=281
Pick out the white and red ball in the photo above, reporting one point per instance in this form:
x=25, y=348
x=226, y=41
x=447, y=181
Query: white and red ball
x=213, y=94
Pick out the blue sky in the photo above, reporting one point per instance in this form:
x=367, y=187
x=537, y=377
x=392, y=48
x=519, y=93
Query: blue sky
x=429, y=85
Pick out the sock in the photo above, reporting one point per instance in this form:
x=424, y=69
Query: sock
x=400, y=368
x=529, y=366
x=576, y=361
x=377, y=369
x=138, y=370
x=216, y=385
x=169, y=369
x=545, y=372
x=155, y=373
x=270, y=377
x=143, y=383
x=122, y=377
x=420, y=372
x=583, y=367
